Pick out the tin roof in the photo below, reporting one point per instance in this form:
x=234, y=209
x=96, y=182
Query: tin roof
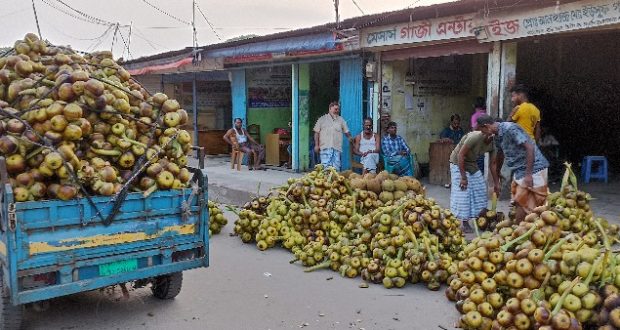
x=360, y=22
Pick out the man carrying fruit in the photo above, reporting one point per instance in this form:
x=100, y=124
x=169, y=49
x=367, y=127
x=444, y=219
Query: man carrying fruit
x=469, y=189
x=529, y=183
x=328, y=132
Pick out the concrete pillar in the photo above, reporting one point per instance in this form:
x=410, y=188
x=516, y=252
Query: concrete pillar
x=507, y=78
x=301, y=116
x=239, y=94
x=493, y=79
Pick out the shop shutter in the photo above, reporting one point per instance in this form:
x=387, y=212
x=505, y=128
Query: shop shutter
x=151, y=82
x=351, y=109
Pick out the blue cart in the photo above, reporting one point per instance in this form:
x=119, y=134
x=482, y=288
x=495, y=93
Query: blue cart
x=54, y=248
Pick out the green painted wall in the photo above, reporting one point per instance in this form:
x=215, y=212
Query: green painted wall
x=268, y=119
x=304, y=116
x=420, y=127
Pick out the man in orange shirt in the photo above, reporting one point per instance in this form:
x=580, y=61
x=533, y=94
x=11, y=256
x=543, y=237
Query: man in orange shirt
x=525, y=114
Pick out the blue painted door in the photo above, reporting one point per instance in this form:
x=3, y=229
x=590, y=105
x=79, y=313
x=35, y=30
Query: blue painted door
x=351, y=94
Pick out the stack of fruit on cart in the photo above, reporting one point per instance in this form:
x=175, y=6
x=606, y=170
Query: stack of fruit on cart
x=79, y=125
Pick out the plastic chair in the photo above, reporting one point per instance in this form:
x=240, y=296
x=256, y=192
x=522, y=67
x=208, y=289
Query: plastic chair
x=390, y=169
x=236, y=157
x=355, y=165
x=254, y=132
x=586, y=168
x=314, y=157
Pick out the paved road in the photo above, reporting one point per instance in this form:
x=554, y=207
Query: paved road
x=237, y=292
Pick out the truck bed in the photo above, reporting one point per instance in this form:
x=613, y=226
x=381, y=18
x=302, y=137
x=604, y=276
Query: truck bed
x=53, y=248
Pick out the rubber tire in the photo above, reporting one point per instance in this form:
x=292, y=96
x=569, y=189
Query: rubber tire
x=167, y=286
x=10, y=316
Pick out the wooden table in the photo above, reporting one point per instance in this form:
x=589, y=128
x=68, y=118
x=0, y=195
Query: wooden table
x=213, y=141
x=275, y=149
x=439, y=162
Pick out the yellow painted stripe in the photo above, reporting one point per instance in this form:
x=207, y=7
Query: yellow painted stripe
x=102, y=240
x=2, y=248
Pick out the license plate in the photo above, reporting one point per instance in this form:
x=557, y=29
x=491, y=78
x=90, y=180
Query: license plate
x=118, y=267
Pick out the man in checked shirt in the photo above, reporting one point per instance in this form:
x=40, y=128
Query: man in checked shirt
x=396, y=152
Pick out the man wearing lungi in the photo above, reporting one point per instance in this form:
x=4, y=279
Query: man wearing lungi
x=396, y=151
x=519, y=151
x=469, y=189
x=328, y=132
x=367, y=145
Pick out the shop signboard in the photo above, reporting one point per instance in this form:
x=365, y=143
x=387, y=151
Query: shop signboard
x=561, y=18
x=437, y=29
x=269, y=87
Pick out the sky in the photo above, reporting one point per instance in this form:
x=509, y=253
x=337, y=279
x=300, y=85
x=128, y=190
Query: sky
x=154, y=31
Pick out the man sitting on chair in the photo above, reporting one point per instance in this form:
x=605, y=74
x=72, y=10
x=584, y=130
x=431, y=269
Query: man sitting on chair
x=396, y=152
x=239, y=139
x=366, y=145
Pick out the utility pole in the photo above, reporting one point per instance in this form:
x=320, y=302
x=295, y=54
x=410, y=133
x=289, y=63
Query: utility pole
x=336, y=5
x=36, y=18
x=195, y=36
x=194, y=96
x=114, y=38
x=129, y=39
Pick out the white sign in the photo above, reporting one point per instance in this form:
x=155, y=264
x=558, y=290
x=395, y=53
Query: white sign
x=419, y=31
x=562, y=18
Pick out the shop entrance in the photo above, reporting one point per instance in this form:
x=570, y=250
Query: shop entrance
x=269, y=95
x=213, y=104
x=423, y=92
x=575, y=81
x=324, y=89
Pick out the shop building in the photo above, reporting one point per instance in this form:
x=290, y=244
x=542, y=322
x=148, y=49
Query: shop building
x=416, y=67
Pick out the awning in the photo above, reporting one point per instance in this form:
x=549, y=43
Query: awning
x=161, y=67
x=323, y=41
x=448, y=49
x=200, y=76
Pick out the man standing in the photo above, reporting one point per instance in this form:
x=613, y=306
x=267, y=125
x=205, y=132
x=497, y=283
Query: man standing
x=519, y=151
x=454, y=132
x=396, y=152
x=366, y=145
x=525, y=114
x=239, y=139
x=469, y=189
x=328, y=132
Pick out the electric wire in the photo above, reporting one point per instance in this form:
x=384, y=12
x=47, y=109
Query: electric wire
x=81, y=18
x=126, y=45
x=166, y=13
x=85, y=15
x=358, y=7
x=151, y=43
x=208, y=22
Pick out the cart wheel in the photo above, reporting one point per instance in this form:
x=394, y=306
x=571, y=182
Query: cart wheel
x=10, y=316
x=167, y=286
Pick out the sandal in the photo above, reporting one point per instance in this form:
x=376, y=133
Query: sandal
x=466, y=228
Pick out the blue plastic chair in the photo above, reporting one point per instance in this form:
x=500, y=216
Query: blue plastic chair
x=601, y=171
x=390, y=169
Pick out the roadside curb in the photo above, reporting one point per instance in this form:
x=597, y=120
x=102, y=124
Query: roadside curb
x=227, y=195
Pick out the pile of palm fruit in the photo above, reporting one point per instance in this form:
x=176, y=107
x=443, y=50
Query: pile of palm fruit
x=554, y=270
x=74, y=124
x=217, y=221
x=379, y=227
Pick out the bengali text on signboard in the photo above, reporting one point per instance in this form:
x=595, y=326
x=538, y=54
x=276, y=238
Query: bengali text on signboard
x=556, y=19
x=419, y=31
